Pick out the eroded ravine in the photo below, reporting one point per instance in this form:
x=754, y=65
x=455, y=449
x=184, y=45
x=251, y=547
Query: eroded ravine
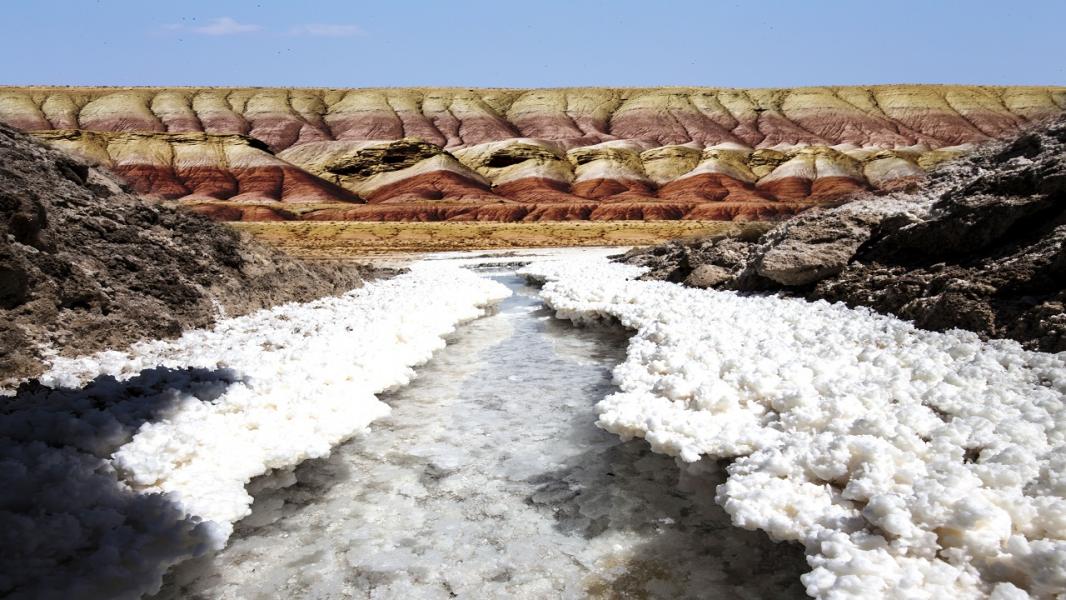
x=490, y=479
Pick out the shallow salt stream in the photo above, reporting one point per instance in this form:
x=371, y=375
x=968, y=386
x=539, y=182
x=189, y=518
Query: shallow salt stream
x=490, y=480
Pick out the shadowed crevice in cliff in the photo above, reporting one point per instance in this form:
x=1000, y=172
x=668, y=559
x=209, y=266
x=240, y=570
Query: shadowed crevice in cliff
x=69, y=527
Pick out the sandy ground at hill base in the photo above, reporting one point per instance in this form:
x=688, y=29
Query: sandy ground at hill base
x=355, y=240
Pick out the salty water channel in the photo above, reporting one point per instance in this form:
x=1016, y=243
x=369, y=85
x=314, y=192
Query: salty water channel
x=491, y=480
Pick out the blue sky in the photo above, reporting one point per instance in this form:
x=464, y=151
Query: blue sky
x=502, y=43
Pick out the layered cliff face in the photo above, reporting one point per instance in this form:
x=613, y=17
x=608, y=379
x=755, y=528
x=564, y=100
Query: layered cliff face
x=197, y=166
x=457, y=154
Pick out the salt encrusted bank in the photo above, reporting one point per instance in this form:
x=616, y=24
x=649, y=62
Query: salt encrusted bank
x=911, y=464
x=261, y=392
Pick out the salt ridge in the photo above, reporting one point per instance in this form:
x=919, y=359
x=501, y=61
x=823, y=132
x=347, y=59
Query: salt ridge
x=308, y=375
x=265, y=391
x=911, y=464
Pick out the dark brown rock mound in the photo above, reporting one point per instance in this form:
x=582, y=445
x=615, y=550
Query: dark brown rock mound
x=982, y=247
x=85, y=266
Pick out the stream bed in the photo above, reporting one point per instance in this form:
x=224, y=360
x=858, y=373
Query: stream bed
x=490, y=480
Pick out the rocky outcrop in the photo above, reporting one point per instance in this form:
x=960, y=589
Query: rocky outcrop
x=665, y=152
x=401, y=171
x=85, y=266
x=983, y=248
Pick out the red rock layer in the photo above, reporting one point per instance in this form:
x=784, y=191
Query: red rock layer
x=271, y=183
x=855, y=128
x=562, y=127
x=535, y=189
x=670, y=127
x=712, y=187
x=789, y=189
x=151, y=179
x=436, y=185
x=560, y=212
x=239, y=212
x=827, y=189
x=798, y=189
x=595, y=189
x=445, y=195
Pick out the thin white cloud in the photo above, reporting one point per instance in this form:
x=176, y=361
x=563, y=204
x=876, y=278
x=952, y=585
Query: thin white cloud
x=225, y=26
x=326, y=30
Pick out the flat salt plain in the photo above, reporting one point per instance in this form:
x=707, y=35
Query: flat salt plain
x=910, y=464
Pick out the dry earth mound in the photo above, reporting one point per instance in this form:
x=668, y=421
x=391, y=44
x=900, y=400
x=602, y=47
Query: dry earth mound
x=522, y=155
x=983, y=248
x=85, y=265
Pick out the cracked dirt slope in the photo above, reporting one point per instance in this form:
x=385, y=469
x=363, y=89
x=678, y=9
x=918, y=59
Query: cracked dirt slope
x=508, y=155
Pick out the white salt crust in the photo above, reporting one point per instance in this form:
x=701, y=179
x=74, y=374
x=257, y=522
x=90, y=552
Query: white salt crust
x=489, y=479
x=911, y=464
x=272, y=389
